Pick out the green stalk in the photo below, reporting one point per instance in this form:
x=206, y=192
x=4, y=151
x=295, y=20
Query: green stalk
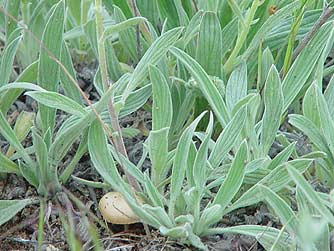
x=235, y=8
x=259, y=68
x=292, y=37
x=228, y=67
x=197, y=212
x=84, y=10
x=25, y=11
x=118, y=139
x=40, y=225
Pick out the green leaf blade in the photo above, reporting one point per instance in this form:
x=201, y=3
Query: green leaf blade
x=209, y=48
x=273, y=102
x=48, y=69
x=208, y=89
x=9, y=208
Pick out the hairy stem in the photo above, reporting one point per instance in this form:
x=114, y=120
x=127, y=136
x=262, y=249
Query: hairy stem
x=118, y=139
x=326, y=14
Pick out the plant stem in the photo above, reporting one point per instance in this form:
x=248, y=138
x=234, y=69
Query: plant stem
x=327, y=12
x=40, y=225
x=118, y=139
x=241, y=38
x=288, y=59
x=136, y=14
x=235, y=8
x=141, y=28
x=82, y=207
x=259, y=68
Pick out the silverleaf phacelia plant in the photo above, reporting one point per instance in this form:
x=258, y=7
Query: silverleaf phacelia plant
x=226, y=88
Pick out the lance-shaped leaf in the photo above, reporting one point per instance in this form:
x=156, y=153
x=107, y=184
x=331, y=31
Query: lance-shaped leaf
x=227, y=138
x=48, y=69
x=122, y=26
x=162, y=112
x=234, y=178
x=7, y=132
x=281, y=208
x=158, y=150
x=301, y=71
x=168, y=11
x=310, y=194
x=310, y=106
x=275, y=180
x=236, y=87
x=22, y=127
x=8, y=97
x=180, y=164
x=9, y=208
x=7, y=166
x=273, y=103
x=268, y=25
x=311, y=131
x=209, y=46
x=7, y=59
x=57, y=101
x=329, y=96
x=326, y=121
x=205, y=84
x=200, y=171
x=45, y=175
x=151, y=57
x=13, y=9
x=69, y=87
x=267, y=236
x=127, y=37
x=229, y=35
x=282, y=156
x=101, y=157
x=267, y=61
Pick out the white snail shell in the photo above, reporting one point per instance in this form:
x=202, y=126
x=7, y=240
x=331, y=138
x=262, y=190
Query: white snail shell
x=116, y=210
